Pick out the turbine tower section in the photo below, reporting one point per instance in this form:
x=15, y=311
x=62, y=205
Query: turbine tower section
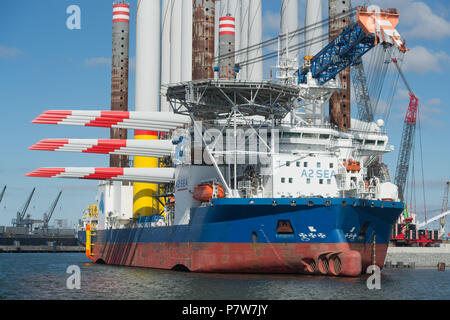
x=313, y=33
x=166, y=14
x=255, y=67
x=175, y=41
x=243, y=27
x=119, y=75
x=224, y=5
x=147, y=55
x=227, y=33
x=186, y=41
x=203, y=39
x=147, y=96
x=233, y=9
x=288, y=27
x=340, y=109
x=235, y=12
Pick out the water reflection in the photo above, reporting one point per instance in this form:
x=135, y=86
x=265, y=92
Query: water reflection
x=43, y=276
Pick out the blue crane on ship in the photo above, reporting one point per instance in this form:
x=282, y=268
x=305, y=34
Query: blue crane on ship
x=371, y=28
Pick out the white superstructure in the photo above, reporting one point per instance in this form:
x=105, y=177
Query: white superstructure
x=299, y=155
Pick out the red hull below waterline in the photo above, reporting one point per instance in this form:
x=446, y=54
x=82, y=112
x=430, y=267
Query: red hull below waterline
x=323, y=259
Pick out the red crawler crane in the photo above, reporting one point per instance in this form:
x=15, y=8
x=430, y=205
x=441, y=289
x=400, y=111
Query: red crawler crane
x=405, y=232
x=409, y=130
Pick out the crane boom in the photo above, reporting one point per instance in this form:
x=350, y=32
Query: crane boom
x=439, y=216
x=443, y=220
x=359, y=80
x=408, y=134
x=356, y=40
x=48, y=215
x=3, y=193
x=27, y=203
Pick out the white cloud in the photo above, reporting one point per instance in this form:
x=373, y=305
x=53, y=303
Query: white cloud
x=271, y=22
x=9, y=52
x=99, y=61
x=434, y=102
x=401, y=94
x=425, y=24
x=430, y=111
x=421, y=60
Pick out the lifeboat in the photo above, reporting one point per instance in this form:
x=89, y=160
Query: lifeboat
x=204, y=192
x=352, y=165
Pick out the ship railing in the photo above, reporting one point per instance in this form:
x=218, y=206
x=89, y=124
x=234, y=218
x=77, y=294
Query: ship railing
x=367, y=132
x=255, y=123
x=370, y=191
x=246, y=188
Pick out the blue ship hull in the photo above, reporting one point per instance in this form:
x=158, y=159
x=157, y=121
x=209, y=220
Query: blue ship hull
x=339, y=236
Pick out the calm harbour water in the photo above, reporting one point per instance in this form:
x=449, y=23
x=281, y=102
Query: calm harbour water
x=43, y=276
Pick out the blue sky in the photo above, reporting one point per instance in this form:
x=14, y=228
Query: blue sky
x=44, y=65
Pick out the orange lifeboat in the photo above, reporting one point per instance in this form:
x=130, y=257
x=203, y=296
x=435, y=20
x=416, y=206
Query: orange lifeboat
x=206, y=191
x=352, y=165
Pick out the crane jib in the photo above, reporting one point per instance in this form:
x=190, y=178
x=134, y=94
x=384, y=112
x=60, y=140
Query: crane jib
x=27, y=203
x=343, y=51
x=3, y=193
x=355, y=40
x=48, y=216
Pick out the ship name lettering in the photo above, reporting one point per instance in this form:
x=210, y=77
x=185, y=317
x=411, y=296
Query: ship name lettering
x=326, y=174
x=181, y=183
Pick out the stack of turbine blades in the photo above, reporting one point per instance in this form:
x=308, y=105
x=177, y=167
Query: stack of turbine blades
x=148, y=175
x=152, y=121
x=143, y=148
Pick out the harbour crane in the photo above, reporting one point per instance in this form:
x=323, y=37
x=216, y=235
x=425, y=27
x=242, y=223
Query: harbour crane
x=443, y=219
x=439, y=216
x=442, y=216
x=2, y=194
x=408, y=134
x=20, y=221
x=49, y=213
